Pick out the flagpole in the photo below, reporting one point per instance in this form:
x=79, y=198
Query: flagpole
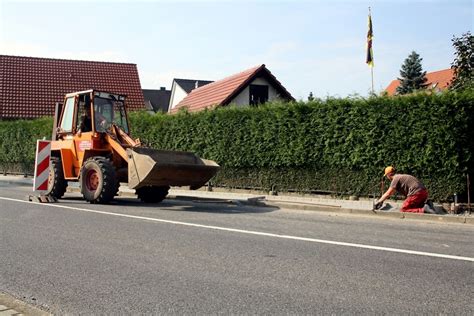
x=372, y=66
x=372, y=73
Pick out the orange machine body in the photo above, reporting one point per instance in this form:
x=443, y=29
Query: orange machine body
x=74, y=147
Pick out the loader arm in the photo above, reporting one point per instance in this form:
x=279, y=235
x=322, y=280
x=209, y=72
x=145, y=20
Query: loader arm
x=120, y=141
x=152, y=167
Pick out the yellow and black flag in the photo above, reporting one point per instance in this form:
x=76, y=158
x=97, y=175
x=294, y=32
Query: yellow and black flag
x=370, y=54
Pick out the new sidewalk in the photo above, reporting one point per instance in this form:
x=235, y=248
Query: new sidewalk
x=295, y=202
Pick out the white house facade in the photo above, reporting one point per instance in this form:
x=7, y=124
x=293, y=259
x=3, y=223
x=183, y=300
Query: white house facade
x=244, y=99
x=177, y=94
x=252, y=87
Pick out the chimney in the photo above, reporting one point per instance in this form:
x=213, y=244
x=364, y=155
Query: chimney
x=196, y=85
x=162, y=88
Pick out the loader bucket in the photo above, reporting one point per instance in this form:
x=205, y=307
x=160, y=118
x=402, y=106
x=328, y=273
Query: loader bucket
x=147, y=166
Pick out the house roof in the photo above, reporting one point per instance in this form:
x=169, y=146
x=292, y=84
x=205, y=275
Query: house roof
x=439, y=80
x=222, y=92
x=158, y=99
x=190, y=84
x=30, y=86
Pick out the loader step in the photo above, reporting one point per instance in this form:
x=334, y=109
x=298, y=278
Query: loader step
x=41, y=198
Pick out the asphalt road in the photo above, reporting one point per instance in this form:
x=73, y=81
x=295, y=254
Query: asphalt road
x=182, y=257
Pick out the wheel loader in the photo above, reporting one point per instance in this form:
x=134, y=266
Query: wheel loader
x=91, y=144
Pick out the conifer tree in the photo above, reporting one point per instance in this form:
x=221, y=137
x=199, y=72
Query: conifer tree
x=412, y=76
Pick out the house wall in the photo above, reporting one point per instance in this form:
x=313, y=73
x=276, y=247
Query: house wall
x=243, y=97
x=177, y=94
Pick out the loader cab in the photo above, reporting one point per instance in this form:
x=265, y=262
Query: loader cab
x=109, y=109
x=93, y=111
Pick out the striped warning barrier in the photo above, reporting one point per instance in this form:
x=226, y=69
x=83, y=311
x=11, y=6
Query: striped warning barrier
x=43, y=153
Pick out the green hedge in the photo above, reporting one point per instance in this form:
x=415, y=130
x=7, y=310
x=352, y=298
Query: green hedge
x=18, y=143
x=336, y=145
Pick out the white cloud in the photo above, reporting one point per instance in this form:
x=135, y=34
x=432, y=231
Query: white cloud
x=279, y=48
x=20, y=49
x=348, y=43
x=30, y=50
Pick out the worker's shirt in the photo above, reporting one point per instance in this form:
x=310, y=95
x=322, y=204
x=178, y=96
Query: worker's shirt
x=406, y=184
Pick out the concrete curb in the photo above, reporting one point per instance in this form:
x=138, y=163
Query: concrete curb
x=396, y=215
x=252, y=201
x=325, y=204
x=261, y=201
x=20, y=181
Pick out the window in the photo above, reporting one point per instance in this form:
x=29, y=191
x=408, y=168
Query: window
x=68, y=113
x=108, y=112
x=258, y=94
x=83, y=117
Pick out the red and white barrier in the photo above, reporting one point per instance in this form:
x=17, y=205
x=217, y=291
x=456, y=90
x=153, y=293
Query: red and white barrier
x=42, y=161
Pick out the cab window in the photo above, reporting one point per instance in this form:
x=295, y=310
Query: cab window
x=83, y=116
x=109, y=111
x=68, y=114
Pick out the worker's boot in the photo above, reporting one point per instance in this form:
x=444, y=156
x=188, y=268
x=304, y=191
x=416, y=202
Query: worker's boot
x=429, y=210
x=436, y=210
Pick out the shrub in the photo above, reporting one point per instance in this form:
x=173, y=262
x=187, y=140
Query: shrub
x=335, y=145
x=338, y=145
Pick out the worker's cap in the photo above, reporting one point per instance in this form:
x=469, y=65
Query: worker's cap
x=388, y=170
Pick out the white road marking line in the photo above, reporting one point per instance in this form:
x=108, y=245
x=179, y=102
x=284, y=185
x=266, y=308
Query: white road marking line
x=250, y=232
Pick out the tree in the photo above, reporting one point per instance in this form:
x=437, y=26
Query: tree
x=310, y=97
x=412, y=75
x=463, y=64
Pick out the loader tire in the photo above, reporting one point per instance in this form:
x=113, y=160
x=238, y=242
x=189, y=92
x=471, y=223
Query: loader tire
x=152, y=194
x=56, y=183
x=98, y=180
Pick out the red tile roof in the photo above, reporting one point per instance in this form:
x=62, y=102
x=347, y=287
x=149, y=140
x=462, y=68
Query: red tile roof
x=222, y=92
x=30, y=86
x=436, y=80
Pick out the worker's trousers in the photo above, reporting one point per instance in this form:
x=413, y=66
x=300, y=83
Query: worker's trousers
x=414, y=203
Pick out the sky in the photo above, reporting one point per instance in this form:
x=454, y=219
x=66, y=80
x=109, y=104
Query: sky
x=310, y=46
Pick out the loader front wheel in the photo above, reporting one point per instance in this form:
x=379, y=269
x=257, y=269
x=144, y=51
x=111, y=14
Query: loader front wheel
x=98, y=180
x=152, y=194
x=56, y=183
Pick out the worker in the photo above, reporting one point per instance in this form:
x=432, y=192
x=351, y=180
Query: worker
x=409, y=186
x=86, y=120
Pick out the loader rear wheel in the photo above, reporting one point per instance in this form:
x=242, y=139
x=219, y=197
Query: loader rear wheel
x=56, y=183
x=152, y=194
x=98, y=180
